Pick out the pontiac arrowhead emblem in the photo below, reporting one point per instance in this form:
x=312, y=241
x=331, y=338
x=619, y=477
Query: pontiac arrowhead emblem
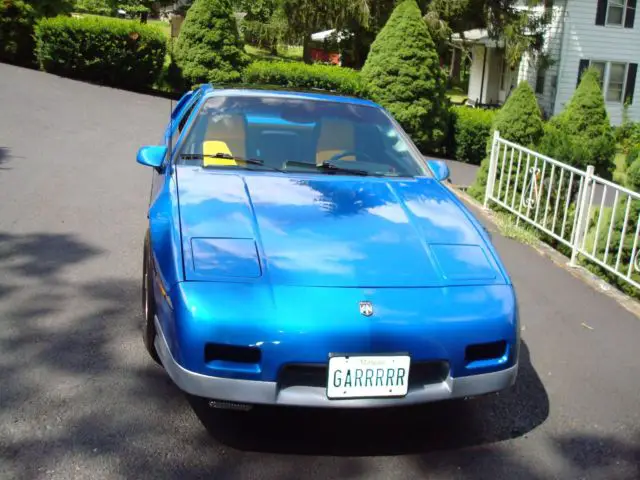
x=366, y=309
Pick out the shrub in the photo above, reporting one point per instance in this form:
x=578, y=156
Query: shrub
x=208, y=47
x=519, y=121
x=97, y=7
x=578, y=151
x=16, y=28
x=403, y=74
x=17, y=22
x=627, y=136
x=585, y=113
x=110, y=51
x=582, y=135
x=633, y=155
x=614, y=242
x=300, y=75
x=625, y=133
x=633, y=175
x=470, y=130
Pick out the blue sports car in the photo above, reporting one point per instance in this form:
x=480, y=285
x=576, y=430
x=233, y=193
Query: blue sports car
x=301, y=251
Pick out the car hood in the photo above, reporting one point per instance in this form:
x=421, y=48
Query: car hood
x=328, y=231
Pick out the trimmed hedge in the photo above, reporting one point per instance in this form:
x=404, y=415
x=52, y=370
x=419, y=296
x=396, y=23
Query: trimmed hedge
x=299, y=75
x=471, y=129
x=110, y=51
x=96, y=7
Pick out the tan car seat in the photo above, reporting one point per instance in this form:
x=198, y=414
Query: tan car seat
x=336, y=136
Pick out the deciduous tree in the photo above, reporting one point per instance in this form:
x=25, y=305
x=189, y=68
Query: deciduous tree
x=17, y=20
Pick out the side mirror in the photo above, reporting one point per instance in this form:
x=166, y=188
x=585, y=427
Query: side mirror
x=152, y=156
x=440, y=169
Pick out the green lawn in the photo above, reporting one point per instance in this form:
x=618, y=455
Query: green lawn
x=456, y=95
x=165, y=26
x=286, y=53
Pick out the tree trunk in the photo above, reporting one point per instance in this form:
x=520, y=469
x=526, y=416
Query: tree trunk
x=273, y=48
x=143, y=17
x=306, y=48
x=357, y=61
x=359, y=47
x=454, y=73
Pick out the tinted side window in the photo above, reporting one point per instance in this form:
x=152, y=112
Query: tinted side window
x=183, y=120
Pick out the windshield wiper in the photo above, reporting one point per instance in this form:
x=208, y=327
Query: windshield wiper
x=248, y=161
x=330, y=167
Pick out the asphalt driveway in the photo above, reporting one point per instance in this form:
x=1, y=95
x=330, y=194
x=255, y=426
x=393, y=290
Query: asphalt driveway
x=79, y=398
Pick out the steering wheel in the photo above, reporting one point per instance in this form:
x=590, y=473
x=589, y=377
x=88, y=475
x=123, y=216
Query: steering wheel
x=351, y=153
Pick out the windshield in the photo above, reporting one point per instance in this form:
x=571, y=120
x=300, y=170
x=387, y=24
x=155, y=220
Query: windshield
x=296, y=134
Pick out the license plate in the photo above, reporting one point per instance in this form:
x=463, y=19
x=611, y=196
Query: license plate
x=368, y=376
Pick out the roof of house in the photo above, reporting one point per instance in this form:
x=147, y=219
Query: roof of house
x=325, y=34
x=478, y=36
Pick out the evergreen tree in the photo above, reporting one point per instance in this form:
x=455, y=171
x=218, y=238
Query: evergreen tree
x=403, y=74
x=581, y=135
x=519, y=121
x=208, y=47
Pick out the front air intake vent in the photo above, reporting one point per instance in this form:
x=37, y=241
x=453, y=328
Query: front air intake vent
x=485, y=351
x=231, y=353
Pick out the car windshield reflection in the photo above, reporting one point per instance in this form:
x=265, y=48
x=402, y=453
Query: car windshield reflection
x=298, y=135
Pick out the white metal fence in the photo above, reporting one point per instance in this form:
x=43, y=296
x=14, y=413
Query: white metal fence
x=589, y=215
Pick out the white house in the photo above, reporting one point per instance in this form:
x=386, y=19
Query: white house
x=601, y=33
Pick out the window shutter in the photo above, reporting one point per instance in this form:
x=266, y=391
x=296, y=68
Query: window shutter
x=601, y=12
x=631, y=14
x=631, y=82
x=584, y=64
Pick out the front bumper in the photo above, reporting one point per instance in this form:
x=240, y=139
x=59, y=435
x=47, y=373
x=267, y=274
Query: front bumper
x=270, y=393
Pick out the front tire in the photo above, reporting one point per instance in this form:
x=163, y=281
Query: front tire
x=148, y=303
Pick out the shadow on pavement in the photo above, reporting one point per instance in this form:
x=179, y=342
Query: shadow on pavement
x=579, y=455
x=79, y=398
x=41, y=254
x=590, y=454
x=410, y=430
x=4, y=156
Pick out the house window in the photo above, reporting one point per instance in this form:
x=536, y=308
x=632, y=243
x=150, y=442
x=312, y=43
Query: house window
x=612, y=79
x=617, y=74
x=615, y=12
x=540, y=78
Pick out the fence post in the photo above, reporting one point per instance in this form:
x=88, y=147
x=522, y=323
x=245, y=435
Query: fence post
x=582, y=214
x=493, y=160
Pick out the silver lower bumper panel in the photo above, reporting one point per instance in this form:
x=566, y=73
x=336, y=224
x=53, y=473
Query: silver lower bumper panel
x=258, y=392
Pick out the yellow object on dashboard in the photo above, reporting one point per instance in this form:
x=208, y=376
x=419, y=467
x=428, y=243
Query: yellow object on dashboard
x=214, y=147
